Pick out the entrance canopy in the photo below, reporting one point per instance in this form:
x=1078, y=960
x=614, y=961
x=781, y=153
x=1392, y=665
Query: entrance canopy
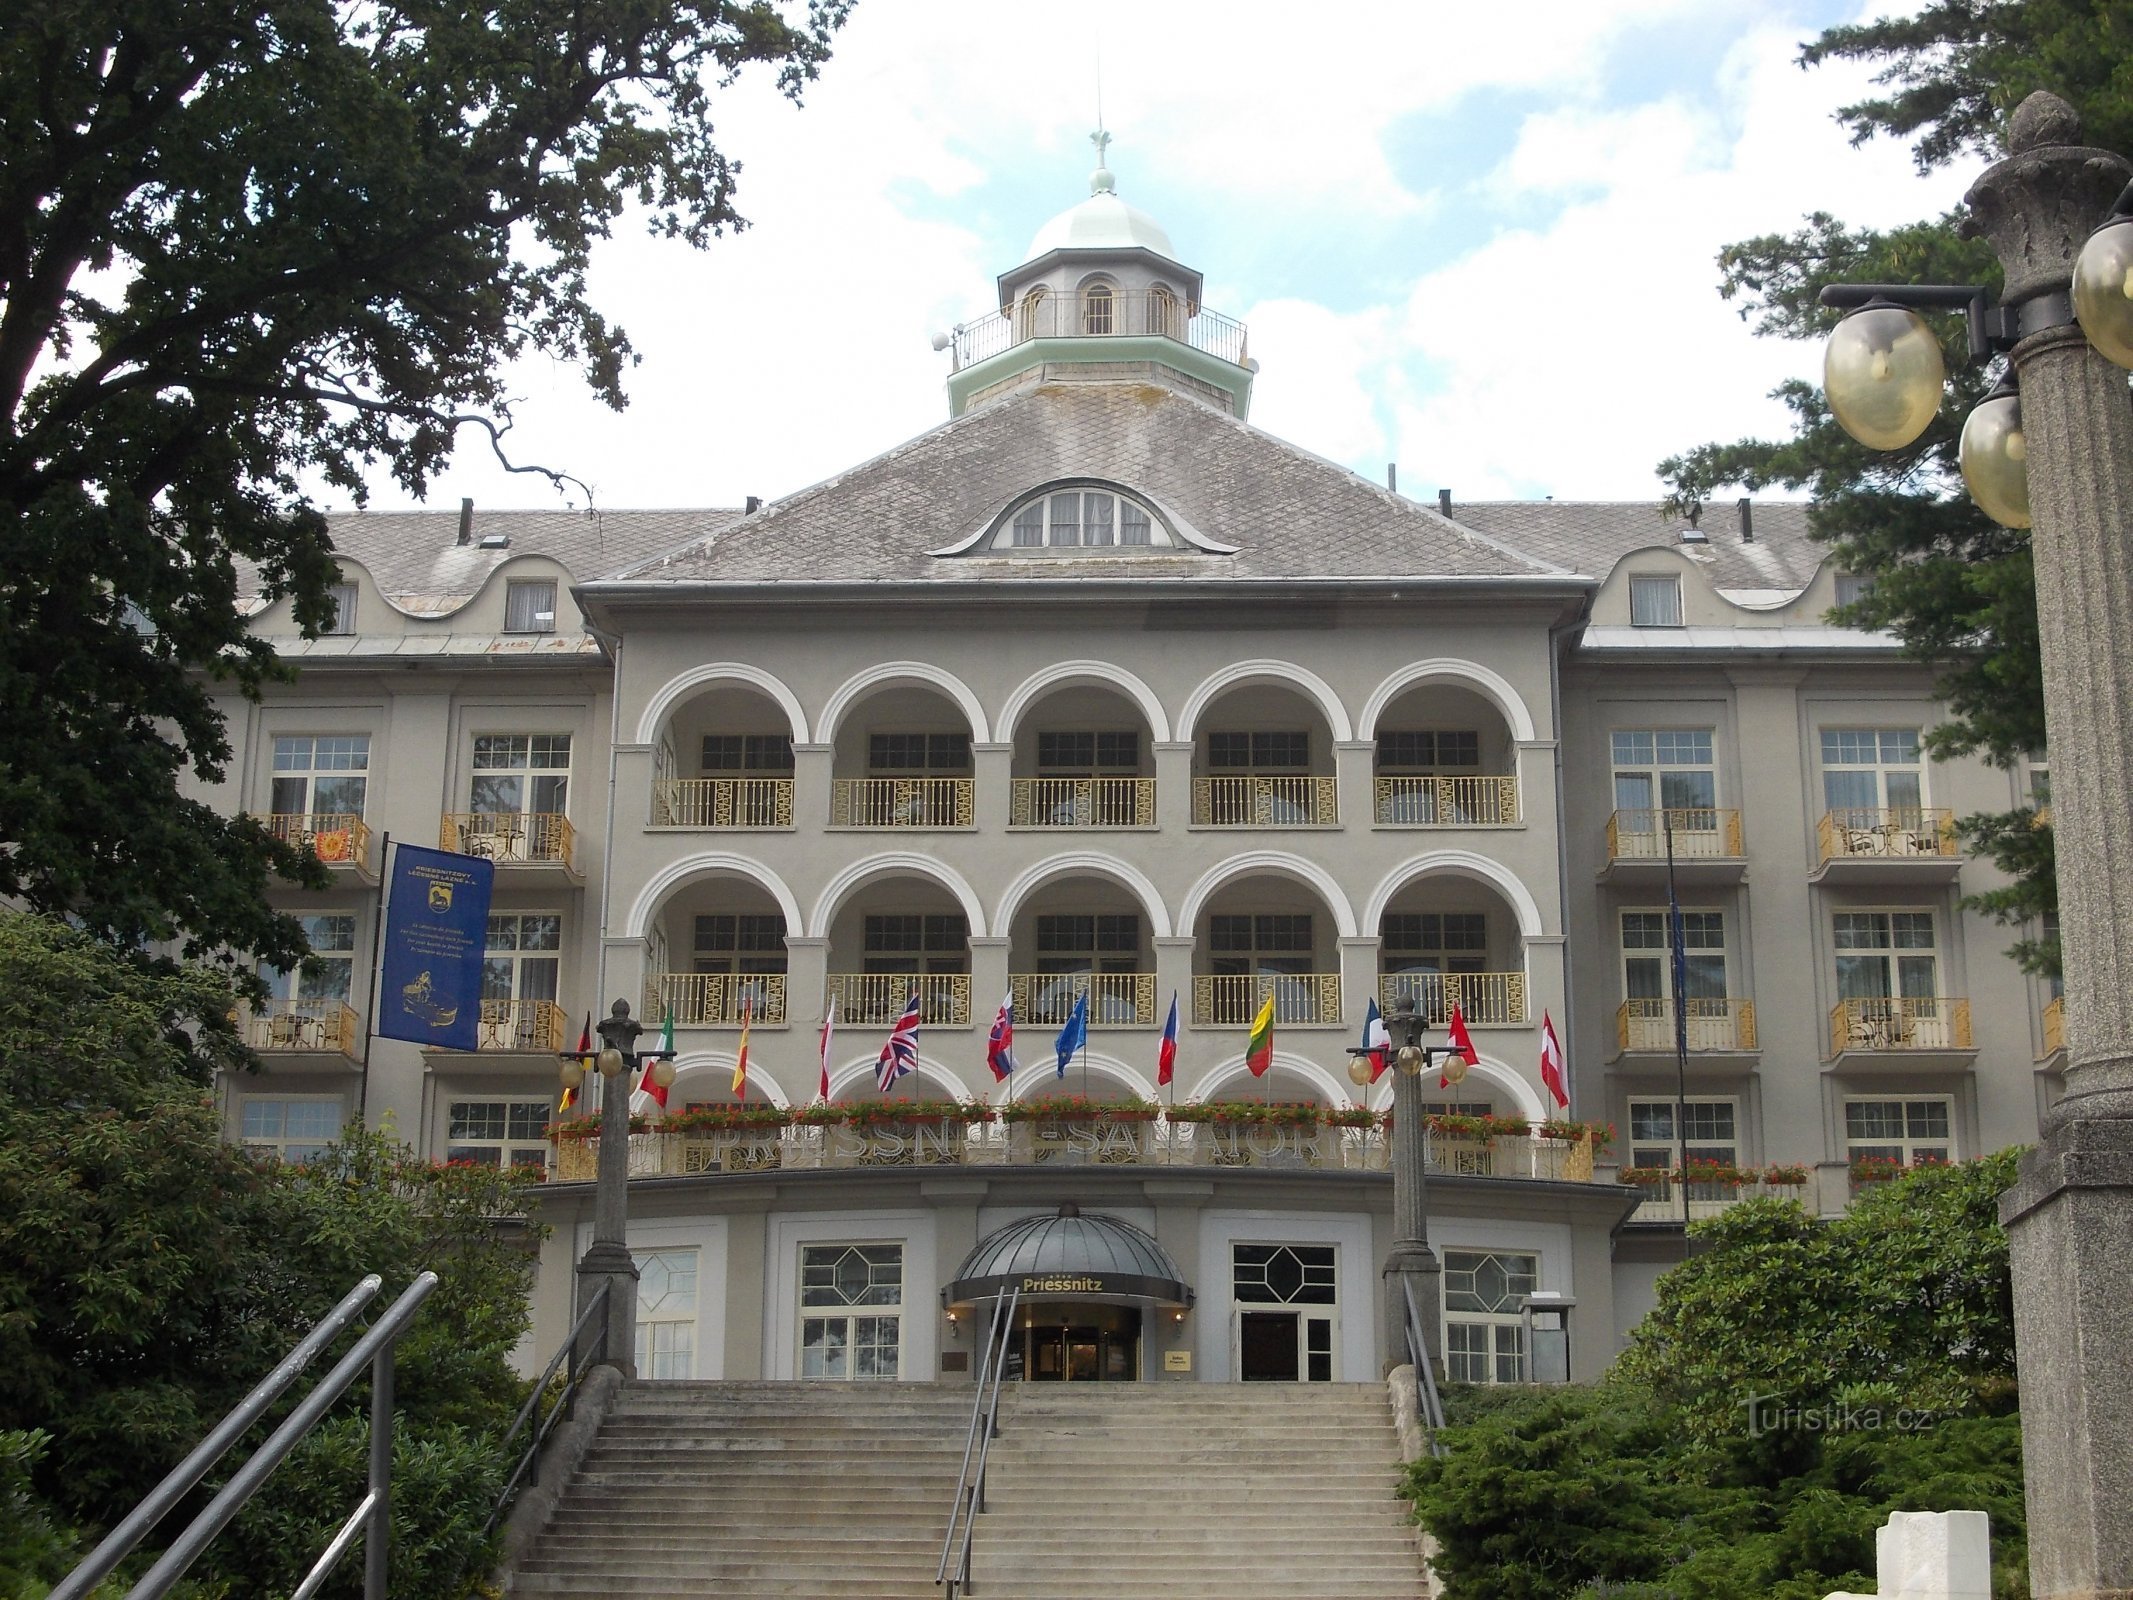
x=1070, y=1257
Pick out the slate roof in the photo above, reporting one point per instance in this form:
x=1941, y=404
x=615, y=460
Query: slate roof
x=1291, y=515
x=1592, y=535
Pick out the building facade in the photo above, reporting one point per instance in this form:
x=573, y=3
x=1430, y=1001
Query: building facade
x=1096, y=695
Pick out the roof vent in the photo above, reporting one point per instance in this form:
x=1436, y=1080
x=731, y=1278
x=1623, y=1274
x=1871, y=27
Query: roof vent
x=1747, y=520
x=755, y=504
x=1693, y=534
x=496, y=541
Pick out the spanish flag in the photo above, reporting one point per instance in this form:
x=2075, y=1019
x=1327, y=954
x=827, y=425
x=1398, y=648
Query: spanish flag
x=740, y=1062
x=1259, y=1049
x=571, y=1097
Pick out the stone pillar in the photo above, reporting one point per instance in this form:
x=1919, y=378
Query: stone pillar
x=1173, y=785
x=607, y=1259
x=1410, y=1263
x=2070, y=1216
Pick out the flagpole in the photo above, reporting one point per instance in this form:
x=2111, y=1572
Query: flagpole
x=1679, y=963
x=377, y=936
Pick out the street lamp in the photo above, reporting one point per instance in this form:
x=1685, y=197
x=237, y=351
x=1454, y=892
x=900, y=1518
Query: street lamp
x=607, y=1261
x=2061, y=452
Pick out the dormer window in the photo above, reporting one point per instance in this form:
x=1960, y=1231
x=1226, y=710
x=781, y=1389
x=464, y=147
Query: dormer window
x=1081, y=519
x=1096, y=309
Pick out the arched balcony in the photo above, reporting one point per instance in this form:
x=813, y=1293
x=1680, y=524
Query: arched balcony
x=1447, y=940
x=1083, y=760
x=717, y=950
x=1265, y=935
x=1445, y=759
x=1263, y=758
x=902, y=760
x=897, y=936
x=723, y=759
x=1082, y=936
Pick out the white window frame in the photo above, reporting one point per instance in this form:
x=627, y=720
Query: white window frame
x=1503, y=1354
x=1882, y=767
x=666, y=1340
x=1670, y=758
x=1853, y=587
x=332, y=959
x=1698, y=924
x=344, y=608
x=1655, y=600
x=522, y=613
x=1710, y=1142
x=851, y=1314
x=1907, y=1148
x=530, y=776
x=513, y=960
x=1892, y=953
x=337, y=758
x=1318, y=1322
x=521, y=1141
x=279, y=1142
x=1038, y=524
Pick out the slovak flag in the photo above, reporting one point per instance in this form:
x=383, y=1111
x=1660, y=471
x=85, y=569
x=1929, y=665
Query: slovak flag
x=1377, y=1042
x=1462, y=1045
x=900, y=1054
x=1166, y=1053
x=1000, y=1043
x=1552, y=1062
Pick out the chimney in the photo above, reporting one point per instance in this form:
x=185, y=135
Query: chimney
x=1693, y=534
x=1747, y=520
x=1392, y=476
x=755, y=504
x=466, y=520
x=1444, y=502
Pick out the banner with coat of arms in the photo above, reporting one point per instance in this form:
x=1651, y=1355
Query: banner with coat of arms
x=436, y=934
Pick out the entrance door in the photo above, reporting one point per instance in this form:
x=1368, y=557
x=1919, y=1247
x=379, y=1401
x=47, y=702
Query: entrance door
x=1267, y=1346
x=1081, y=1344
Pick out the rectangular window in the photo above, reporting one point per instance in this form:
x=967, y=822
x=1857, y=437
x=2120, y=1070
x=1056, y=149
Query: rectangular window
x=1852, y=588
x=1910, y=1132
x=909, y=943
x=1082, y=939
x=1426, y=944
x=1066, y=519
x=524, y=956
x=521, y=774
x=1029, y=525
x=1646, y=957
x=344, y=609
x=1665, y=768
x=330, y=973
x=764, y=755
x=319, y=775
x=1257, y=753
x=1485, y=1314
x=918, y=754
x=1655, y=602
x=851, y=1311
x=295, y=1130
x=1884, y=955
x=1872, y=770
x=1088, y=755
x=1711, y=1127
x=666, y=1313
x=1426, y=752
x=498, y=1133
x=1132, y=524
x=529, y=607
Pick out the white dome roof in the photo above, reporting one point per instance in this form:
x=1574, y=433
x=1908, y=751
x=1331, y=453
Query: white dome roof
x=1101, y=222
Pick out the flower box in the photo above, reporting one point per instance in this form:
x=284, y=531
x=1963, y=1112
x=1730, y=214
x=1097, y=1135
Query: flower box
x=1077, y=1108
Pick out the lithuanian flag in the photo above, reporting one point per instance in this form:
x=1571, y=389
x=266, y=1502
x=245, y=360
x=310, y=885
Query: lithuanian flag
x=1259, y=1049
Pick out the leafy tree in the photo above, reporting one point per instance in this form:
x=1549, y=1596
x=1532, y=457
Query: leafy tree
x=1955, y=587
x=247, y=247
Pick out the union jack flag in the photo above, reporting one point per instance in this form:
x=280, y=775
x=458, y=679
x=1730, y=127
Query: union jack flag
x=900, y=1054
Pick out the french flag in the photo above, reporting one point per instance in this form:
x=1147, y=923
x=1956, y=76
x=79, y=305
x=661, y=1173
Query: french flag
x=1377, y=1041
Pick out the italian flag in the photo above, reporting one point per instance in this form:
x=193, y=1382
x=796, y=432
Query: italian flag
x=1259, y=1048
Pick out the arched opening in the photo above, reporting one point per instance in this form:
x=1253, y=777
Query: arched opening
x=1098, y=310
x=902, y=760
x=723, y=759
x=1163, y=318
x=898, y=936
x=1447, y=940
x=1083, y=760
x=1082, y=936
x=715, y=953
x=1445, y=759
x=1263, y=758
x=1265, y=936
x=1033, y=318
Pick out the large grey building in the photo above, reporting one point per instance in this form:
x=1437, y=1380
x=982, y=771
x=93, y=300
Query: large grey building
x=1096, y=692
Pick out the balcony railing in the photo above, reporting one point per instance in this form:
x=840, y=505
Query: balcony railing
x=1661, y=1200
x=1440, y=802
x=1929, y=1022
x=536, y=1025
x=1122, y=316
x=902, y=803
x=1083, y=803
x=2055, y=1026
x=513, y=838
x=1714, y=1024
x=1116, y=999
x=1484, y=998
x=1232, y=1000
x=1862, y=831
x=943, y=997
x=1264, y=802
x=311, y=1027
x=1700, y=833
x=722, y=803
x=714, y=998
x=336, y=838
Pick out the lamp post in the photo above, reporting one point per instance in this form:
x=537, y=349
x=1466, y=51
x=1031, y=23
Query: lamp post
x=2054, y=450
x=607, y=1261
x=1411, y=1267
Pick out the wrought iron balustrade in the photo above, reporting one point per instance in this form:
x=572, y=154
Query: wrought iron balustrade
x=902, y=802
x=1425, y=801
x=1265, y=802
x=722, y=803
x=1083, y=803
x=1485, y=999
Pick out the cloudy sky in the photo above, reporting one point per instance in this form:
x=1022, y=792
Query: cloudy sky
x=1475, y=240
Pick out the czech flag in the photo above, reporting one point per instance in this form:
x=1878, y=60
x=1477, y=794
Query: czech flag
x=1166, y=1053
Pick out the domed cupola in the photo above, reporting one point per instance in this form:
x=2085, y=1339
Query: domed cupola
x=1102, y=288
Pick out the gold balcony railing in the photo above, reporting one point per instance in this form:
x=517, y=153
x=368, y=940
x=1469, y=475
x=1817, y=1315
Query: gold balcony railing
x=515, y=838
x=1924, y=1022
x=902, y=803
x=1856, y=831
x=1661, y=1198
x=1232, y=1000
x=537, y=1025
x=722, y=803
x=336, y=838
x=2055, y=1026
x=1116, y=999
x=944, y=997
x=308, y=1026
x=1700, y=833
x=1083, y=803
x=1443, y=802
x=1714, y=1024
x=1264, y=802
x=1497, y=998
x=714, y=998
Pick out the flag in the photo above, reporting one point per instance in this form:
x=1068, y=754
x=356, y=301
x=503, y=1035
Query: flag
x=432, y=958
x=1678, y=939
x=1462, y=1047
x=740, y=1061
x=1259, y=1048
x=1377, y=1041
x=900, y=1054
x=1000, y=1043
x=829, y=1027
x=1552, y=1062
x=571, y=1097
x=650, y=1092
x=1075, y=1035
x=1166, y=1053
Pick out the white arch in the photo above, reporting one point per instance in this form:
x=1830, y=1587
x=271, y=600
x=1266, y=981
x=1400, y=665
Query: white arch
x=1095, y=862
x=1276, y=861
x=861, y=873
x=858, y=684
x=675, y=688
x=1038, y=1074
x=1335, y=1091
x=1463, y=864
x=861, y=1072
x=1490, y=1071
x=1266, y=670
x=1063, y=673
x=1494, y=685
x=720, y=1065
x=672, y=876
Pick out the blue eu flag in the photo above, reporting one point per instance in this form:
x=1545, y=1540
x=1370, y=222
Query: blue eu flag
x=1075, y=1035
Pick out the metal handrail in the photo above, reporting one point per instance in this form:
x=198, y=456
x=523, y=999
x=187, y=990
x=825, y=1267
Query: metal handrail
x=134, y=1527
x=1418, y=1352
x=596, y=1306
x=373, y=1515
x=984, y=1425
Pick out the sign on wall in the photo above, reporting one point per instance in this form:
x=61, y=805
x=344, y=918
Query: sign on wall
x=436, y=933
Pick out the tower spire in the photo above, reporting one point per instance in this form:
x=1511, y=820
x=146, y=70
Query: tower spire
x=1101, y=181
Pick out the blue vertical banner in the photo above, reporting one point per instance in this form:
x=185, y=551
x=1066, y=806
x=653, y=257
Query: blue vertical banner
x=436, y=934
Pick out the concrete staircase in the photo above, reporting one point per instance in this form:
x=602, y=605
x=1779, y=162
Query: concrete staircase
x=837, y=1490
x=1222, y=1491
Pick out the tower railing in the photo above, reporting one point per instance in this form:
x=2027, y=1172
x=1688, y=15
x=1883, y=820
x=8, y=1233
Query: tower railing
x=1116, y=316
